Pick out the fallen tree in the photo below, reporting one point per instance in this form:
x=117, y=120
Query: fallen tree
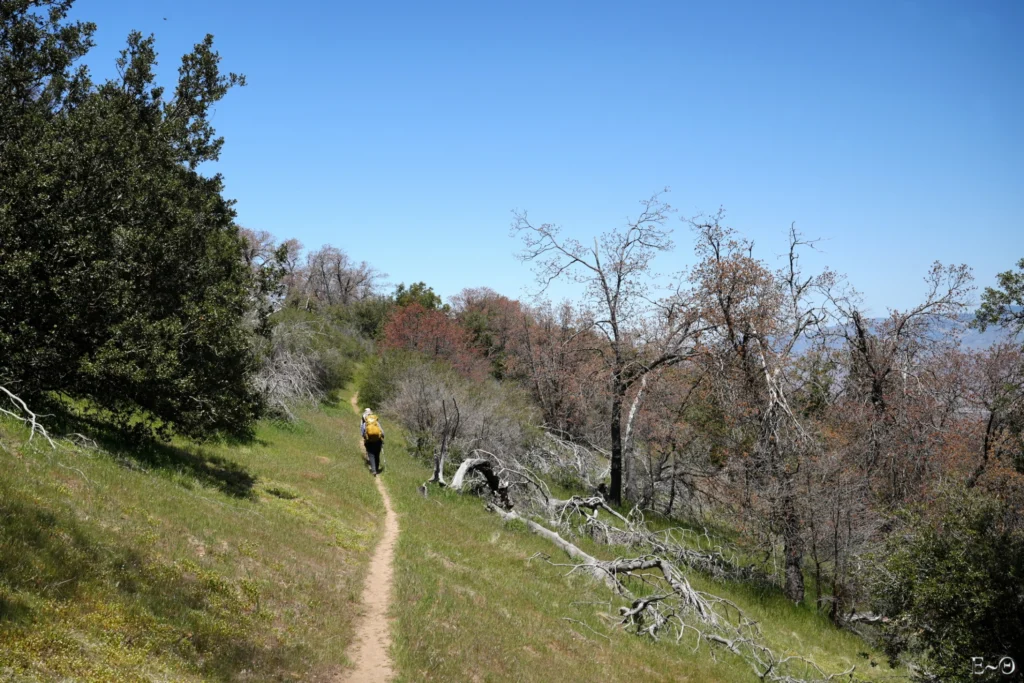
x=660, y=600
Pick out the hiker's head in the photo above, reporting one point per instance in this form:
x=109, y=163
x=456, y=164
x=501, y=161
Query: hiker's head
x=366, y=412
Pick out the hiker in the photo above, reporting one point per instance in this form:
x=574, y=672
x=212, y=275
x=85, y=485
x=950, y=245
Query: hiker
x=373, y=440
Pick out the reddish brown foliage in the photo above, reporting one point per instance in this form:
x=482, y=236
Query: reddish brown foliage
x=434, y=334
x=492, y=321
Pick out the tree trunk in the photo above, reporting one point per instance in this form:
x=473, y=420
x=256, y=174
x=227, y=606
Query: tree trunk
x=615, y=492
x=439, y=458
x=672, y=491
x=628, y=461
x=794, y=550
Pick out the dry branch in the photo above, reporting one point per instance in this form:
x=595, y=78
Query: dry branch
x=25, y=416
x=673, y=606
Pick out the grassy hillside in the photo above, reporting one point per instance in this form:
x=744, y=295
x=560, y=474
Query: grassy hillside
x=244, y=562
x=472, y=605
x=238, y=562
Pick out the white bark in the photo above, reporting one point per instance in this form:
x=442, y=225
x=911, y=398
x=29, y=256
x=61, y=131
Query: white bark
x=25, y=416
x=460, y=475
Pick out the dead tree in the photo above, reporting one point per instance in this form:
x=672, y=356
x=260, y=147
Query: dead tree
x=884, y=359
x=449, y=431
x=333, y=278
x=760, y=316
x=639, y=334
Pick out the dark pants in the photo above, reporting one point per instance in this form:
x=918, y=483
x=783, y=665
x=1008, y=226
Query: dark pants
x=373, y=449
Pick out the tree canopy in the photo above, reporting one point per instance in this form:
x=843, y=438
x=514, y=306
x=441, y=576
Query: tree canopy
x=121, y=271
x=1004, y=305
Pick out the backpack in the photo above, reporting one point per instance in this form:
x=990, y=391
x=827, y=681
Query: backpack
x=373, y=430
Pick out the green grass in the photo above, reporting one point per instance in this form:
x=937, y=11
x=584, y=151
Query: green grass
x=244, y=562
x=228, y=562
x=473, y=606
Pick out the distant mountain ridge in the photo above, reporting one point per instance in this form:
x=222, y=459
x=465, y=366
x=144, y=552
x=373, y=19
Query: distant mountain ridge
x=971, y=338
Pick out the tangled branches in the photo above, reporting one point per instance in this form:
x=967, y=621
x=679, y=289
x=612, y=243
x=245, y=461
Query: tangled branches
x=567, y=459
x=660, y=600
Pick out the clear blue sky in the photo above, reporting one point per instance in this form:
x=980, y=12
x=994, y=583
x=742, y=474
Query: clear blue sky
x=407, y=132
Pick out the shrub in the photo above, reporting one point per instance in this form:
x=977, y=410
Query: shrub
x=952, y=585
x=308, y=357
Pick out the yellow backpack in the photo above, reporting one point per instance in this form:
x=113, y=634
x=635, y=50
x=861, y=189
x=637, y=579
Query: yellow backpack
x=373, y=430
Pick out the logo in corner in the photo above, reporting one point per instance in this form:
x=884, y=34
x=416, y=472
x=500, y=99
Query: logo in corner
x=1006, y=666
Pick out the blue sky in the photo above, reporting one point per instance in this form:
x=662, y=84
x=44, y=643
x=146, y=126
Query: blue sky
x=407, y=132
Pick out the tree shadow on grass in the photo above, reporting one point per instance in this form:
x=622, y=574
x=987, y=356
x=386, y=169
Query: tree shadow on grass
x=53, y=569
x=139, y=450
x=227, y=475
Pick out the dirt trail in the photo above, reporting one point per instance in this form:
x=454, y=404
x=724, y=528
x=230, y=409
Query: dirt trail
x=370, y=651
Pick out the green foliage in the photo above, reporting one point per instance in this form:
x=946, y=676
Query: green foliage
x=419, y=293
x=121, y=278
x=379, y=378
x=1004, y=305
x=818, y=372
x=369, y=315
x=38, y=48
x=493, y=323
x=953, y=585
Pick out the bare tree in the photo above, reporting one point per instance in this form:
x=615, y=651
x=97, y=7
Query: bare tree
x=997, y=394
x=449, y=432
x=640, y=335
x=760, y=316
x=549, y=353
x=259, y=247
x=885, y=362
x=332, y=277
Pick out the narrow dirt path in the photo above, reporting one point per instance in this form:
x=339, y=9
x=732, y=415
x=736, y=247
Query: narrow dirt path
x=370, y=651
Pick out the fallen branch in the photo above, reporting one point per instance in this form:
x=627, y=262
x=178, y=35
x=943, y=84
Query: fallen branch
x=499, y=489
x=674, y=604
x=26, y=417
x=866, y=618
x=467, y=466
x=588, y=627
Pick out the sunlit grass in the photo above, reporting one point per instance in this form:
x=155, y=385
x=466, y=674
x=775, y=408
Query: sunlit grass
x=476, y=602
x=214, y=562
x=244, y=562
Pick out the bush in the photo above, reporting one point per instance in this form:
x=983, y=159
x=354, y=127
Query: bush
x=309, y=357
x=381, y=374
x=493, y=417
x=369, y=315
x=952, y=585
x=121, y=273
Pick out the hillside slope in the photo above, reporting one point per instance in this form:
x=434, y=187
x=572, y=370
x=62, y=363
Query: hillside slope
x=476, y=601
x=233, y=562
x=245, y=562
